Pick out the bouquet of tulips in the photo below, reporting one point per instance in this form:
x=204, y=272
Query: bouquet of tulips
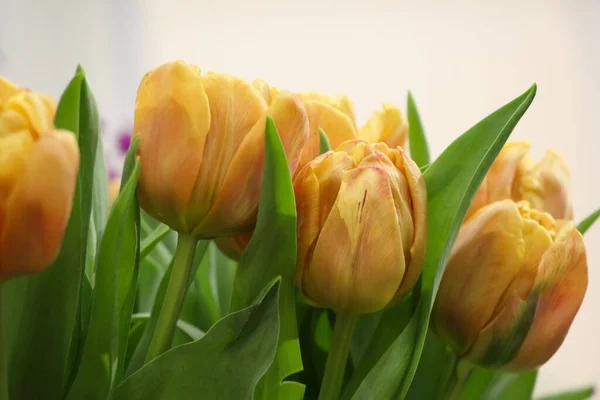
x=262, y=245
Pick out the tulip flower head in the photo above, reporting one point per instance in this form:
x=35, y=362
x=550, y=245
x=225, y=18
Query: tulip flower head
x=513, y=284
x=514, y=175
x=361, y=227
x=202, y=147
x=335, y=115
x=38, y=172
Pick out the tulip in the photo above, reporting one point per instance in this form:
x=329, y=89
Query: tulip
x=513, y=284
x=335, y=115
x=361, y=227
x=515, y=176
x=38, y=172
x=202, y=147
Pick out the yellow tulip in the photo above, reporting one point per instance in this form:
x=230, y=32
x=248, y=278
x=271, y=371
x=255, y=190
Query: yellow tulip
x=513, y=284
x=38, y=172
x=202, y=147
x=335, y=115
x=361, y=227
x=514, y=175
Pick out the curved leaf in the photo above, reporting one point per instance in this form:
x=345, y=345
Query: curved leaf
x=588, y=221
x=417, y=140
x=225, y=364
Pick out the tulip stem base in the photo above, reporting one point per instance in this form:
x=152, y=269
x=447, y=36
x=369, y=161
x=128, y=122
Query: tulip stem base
x=345, y=323
x=173, y=302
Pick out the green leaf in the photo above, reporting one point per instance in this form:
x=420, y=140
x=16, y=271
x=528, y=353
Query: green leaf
x=324, y=145
x=272, y=253
x=579, y=394
x=503, y=386
x=103, y=359
x=42, y=322
x=588, y=221
x=419, y=150
x=451, y=181
x=193, y=332
x=139, y=355
x=153, y=239
x=225, y=364
x=206, y=294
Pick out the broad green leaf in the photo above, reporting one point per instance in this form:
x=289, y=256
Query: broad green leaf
x=272, y=253
x=42, y=322
x=579, y=394
x=451, y=182
x=139, y=355
x=206, y=294
x=434, y=372
x=487, y=384
x=588, y=221
x=103, y=359
x=225, y=364
x=419, y=149
x=324, y=145
x=192, y=332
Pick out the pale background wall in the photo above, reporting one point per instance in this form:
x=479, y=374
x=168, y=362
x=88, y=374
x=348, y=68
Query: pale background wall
x=461, y=59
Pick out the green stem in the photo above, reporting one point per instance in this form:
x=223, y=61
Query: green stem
x=173, y=302
x=345, y=323
x=458, y=378
x=3, y=351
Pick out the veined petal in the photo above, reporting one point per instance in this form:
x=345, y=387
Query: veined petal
x=360, y=275
x=34, y=110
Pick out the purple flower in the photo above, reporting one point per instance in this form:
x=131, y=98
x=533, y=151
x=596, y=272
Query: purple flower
x=124, y=140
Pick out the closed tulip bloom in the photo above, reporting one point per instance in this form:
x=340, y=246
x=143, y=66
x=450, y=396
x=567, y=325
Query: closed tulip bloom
x=38, y=172
x=361, y=227
x=335, y=116
x=514, y=175
x=202, y=147
x=513, y=284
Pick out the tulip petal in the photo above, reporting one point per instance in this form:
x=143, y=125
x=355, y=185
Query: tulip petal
x=236, y=109
x=546, y=186
x=561, y=286
x=485, y=259
x=355, y=272
x=172, y=117
x=267, y=92
x=38, y=208
x=387, y=126
x=499, y=182
x=337, y=125
x=27, y=110
x=238, y=197
x=7, y=90
x=234, y=246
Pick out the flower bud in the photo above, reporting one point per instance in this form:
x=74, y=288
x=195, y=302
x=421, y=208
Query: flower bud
x=361, y=227
x=202, y=147
x=514, y=175
x=513, y=284
x=38, y=172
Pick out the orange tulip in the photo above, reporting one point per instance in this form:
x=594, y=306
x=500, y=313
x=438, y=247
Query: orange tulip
x=361, y=227
x=513, y=284
x=38, y=172
x=514, y=175
x=202, y=147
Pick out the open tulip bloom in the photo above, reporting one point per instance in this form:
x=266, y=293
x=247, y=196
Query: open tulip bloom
x=263, y=244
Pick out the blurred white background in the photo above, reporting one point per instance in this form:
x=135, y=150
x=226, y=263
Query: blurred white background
x=461, y=59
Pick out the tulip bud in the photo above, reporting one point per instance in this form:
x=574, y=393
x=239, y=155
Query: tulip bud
x=514, y=175
x=202, y=147
x=513, y=284
x=361, y=227
x=38, y=172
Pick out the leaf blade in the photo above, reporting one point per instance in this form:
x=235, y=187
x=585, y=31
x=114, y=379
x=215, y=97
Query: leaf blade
x=417, y=140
